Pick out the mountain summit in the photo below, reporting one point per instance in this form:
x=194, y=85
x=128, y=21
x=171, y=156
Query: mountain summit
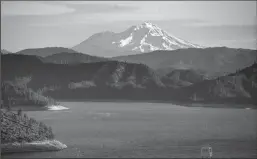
x=145, y=37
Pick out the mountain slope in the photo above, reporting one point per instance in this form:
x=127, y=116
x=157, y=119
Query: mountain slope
x=145, y=37
x=182, y=78
x=16, y=65
x=43, y=52
x=108, y=73
x=237, y=87
x=214, y=61
x=20, y=128
x=99, y=80
x=72, y=58
x=113, y=80
x=16, y=93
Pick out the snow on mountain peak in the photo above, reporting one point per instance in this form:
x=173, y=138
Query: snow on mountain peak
x=149, y=37
x=147, y=24
x=154, y=30
x=126, y=41
x=144, y=37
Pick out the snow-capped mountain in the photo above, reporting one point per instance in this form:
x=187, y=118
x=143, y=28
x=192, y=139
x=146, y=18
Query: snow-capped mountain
x=145, y=37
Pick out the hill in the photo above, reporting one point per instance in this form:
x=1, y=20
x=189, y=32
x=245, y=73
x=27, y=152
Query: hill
x=20, y=128
x=20, y=133
x=113, y=80
x=215, y=61
x=239, y=87
x=16, y=93
x=43, y=52
x=182, y=78
x=95, y=77
x=72, y=58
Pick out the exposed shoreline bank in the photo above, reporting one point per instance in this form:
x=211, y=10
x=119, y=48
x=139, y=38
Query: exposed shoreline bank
x=35, y=146
x=56, y=107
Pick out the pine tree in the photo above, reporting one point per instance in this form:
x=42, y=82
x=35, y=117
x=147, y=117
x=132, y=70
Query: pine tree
x=8, y=107
x=25, y=116
x=19, y=112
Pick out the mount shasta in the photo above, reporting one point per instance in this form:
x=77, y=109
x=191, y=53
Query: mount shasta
x=142, y=38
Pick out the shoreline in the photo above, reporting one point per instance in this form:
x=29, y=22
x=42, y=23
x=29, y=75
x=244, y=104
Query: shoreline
x=56, y=107
x=185, y=104
x=35, y=146
x=43, y=108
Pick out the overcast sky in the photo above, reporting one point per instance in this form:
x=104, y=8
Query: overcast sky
x=67, y=23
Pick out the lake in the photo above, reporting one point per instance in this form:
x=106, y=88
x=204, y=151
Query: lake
x=125, y=129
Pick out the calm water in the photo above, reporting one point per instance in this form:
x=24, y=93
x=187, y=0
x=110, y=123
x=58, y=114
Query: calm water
x=105, y=129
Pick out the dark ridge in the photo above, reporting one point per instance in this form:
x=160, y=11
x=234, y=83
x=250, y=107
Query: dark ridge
x=43, y=52
x=72, y=58
x=214, y=62
x=123, y=80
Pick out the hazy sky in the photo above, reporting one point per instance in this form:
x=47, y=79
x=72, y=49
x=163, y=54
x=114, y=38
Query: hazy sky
x=67, y=23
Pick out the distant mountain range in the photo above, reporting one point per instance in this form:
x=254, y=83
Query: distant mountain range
x=115, y=80
x=60, y=55
x=145, y=37
x=47, y=51
x=72, y=58
x=111, y=73
x=214, y=62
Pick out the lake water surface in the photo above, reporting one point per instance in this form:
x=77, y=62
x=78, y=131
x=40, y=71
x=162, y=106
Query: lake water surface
x=108, y=129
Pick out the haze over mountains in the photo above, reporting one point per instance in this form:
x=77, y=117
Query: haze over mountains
x=145, y=37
